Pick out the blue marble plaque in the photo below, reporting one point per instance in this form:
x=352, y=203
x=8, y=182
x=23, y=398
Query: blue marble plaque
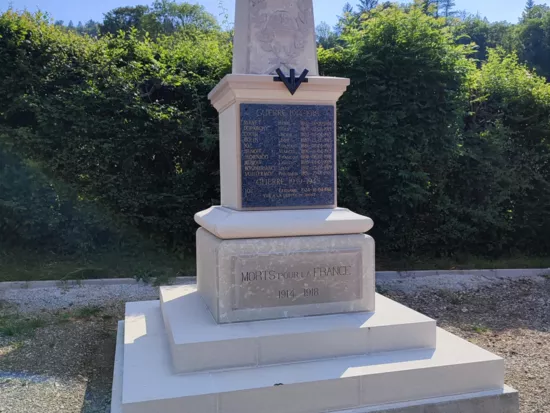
x=287, y=156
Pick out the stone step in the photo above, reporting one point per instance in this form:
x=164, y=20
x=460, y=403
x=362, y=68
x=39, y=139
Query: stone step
x=149, y=383
x=198, y=343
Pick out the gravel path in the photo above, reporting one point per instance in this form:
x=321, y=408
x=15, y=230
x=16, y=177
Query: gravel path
x=63, y=362
x=31, y=300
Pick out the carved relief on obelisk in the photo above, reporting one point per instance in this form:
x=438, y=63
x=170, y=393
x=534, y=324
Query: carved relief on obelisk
x=272, y=34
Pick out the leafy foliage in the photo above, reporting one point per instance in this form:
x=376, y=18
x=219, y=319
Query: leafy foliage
x=511, y=111
x=484, y=36
x=124, y=120
x=163, y=17
x=35, y=213
x=399, y=122
x=443, y=134
x=534, y=39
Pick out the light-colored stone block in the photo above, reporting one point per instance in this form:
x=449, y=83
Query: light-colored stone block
x=198, y=343
x=267, y=278
x=330, y=395
x=236, y=89
x=455, y=372
x=272, y=34
x=226, y=223
x=504, y=400
x=116, y=389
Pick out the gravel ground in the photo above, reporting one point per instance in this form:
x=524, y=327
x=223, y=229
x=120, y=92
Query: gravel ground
x=511, y=319
x=63, y=362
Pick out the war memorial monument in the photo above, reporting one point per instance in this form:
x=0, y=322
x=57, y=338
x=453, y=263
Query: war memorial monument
x=284, y=317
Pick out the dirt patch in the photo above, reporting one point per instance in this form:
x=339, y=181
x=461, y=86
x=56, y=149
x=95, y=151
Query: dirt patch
x=66, y=365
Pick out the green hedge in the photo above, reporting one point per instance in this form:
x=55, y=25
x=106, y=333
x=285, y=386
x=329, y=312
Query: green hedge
x=126, y=121
x=446, y=157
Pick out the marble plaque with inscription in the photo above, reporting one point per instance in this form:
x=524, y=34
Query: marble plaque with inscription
x=287, y=156
x=311, y=277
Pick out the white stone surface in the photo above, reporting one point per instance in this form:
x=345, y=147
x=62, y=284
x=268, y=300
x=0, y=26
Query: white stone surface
x=504, y=400
x=198, y=343
x=454, y=368
x=234, y=89
x=219, y=283
x=227, y=223
x=272, y=34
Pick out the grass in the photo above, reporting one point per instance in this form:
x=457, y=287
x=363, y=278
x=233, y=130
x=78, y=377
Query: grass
x=148, y=265
x=12, y=326
x=84, y=313
x=87, y=312
x=480, y=329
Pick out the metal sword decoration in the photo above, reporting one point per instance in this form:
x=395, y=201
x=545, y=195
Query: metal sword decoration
x=292, y=83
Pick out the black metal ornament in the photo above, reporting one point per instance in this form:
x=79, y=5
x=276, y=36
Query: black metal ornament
x=292, y=83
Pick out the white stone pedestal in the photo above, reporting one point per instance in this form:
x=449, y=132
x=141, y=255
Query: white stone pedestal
x=172, y=357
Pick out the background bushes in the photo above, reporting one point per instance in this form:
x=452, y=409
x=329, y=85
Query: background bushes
x=124, y=120
x=443, y=142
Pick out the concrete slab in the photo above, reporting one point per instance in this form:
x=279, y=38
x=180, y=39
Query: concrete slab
x=505, y=400
x=198, y=343
x=226, y=223
x=116, y=393
x=455, y=367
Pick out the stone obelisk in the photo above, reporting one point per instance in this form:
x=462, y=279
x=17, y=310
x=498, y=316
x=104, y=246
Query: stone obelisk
x=283, y=317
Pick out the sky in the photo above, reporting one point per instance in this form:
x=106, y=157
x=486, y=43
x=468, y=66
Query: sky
x=325, y=10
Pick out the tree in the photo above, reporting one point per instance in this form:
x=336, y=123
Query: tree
x=366, y=5
x=529, y=6
x=428, y=7
x=348, y=19
x=446, y=8
x=484, y=35
x=536, y=12
x=534, y=38
x=326, y=37
x=347, y=9
x=169, y=17
x=163, y=17
x=91, y=28
x=70, y=25
x=124, y=18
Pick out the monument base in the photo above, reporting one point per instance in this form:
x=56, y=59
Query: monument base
x=268, y=278
x=428, y=371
